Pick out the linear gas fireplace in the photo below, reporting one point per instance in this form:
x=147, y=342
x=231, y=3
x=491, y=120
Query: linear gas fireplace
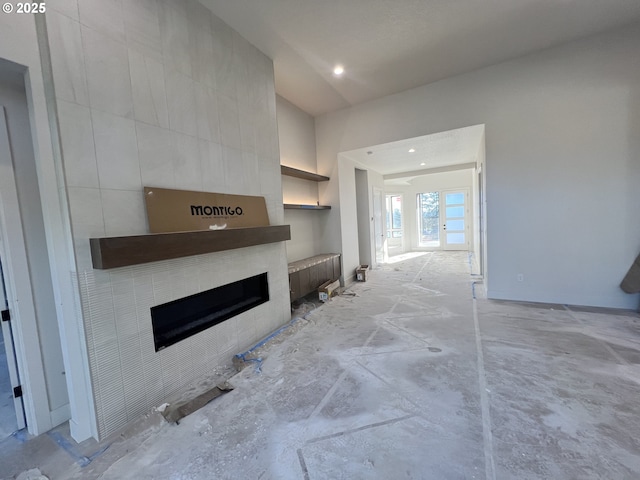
x=177, y=320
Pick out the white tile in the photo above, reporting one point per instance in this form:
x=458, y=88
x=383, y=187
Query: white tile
x=212, y=165
x=223, y=57
x=181, y=102
x=186, y=163
x=108, y=78
x=207, y=113
x=271, y=87
x=251, y=172
x=67, y=58
x=246, y=328
x=116, y=151
x=266, y=132
x=240, y=68
x=258, y=80
x=82, y=232
x=66, y=7
x=115, y=416
x=124, y=306
x=171, y=373
x=82, y=249
x=156, y=152
x=274, y=208
x=174, y=31
x=229, y=122
x=142, y=27
x=147, y=85
x=85, y=206
x=78, y=150
x=234, y=170
x=270, y=177
x=198, y=15
x=106, y=16
x=203, y=60
x=248, y=130
x=124, y=212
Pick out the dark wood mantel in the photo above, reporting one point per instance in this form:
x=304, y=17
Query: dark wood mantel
x=113, y=252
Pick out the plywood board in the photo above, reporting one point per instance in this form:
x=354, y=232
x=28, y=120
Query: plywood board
x=185, y=211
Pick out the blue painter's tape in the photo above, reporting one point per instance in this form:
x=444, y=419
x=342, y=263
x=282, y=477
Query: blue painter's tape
x=469, y=255
x=63, y=443
x=21, y=435
x=258, y=361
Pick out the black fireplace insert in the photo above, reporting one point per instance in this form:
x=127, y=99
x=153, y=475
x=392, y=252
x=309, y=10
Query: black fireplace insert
x=179, y=319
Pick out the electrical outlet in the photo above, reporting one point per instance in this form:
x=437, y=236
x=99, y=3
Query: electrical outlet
x=520, y=277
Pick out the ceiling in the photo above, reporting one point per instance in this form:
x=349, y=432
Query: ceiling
x=432, y=153
x=388, y=46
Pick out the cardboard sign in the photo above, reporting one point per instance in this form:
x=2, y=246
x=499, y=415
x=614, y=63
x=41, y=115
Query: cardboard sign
x=182, y=210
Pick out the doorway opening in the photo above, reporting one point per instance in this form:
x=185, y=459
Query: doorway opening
x=434, y=193
x=378, y=229
x=11, y=407
x=394, y=225
x=31, y=336
x=364, y=223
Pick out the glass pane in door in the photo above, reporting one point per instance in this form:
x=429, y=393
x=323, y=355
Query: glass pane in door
x=455, y=238
x=455, y=224
x=429, y=219
x=454, y=198
x=394, y=225
x=453, y=212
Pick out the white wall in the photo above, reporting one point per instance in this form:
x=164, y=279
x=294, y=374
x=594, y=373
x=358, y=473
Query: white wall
x=161, y=93
x=479, y=261
x=297, y=136
x=349, y=219
x=562, y=167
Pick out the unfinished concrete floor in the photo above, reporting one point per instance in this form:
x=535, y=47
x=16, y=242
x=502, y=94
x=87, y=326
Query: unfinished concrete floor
x=408, y=377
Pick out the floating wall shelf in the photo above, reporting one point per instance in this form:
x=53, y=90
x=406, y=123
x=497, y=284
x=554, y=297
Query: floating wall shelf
x=294, y=172
x=113, y=252
x=293, y=206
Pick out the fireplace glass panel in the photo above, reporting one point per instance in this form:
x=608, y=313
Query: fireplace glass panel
x=179, y=319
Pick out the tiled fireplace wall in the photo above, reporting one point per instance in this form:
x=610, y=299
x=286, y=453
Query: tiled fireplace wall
x=160, y=93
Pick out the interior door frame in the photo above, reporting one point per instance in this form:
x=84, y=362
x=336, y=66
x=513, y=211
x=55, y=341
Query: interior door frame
x=25, y=335
x=379, y=230
x=9, y=347
x=390, y=239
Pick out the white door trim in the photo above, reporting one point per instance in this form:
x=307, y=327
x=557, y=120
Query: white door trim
x=20, y=296
x=378, y=226
x=10, y=352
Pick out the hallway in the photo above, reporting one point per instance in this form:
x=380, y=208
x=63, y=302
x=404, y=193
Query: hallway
x=404, y=376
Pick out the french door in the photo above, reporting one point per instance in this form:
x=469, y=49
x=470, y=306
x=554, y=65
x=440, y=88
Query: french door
x=443, y=219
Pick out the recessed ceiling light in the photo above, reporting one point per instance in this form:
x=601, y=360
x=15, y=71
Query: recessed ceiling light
x=411, y=150
x=338, y=70
x=422, y=164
